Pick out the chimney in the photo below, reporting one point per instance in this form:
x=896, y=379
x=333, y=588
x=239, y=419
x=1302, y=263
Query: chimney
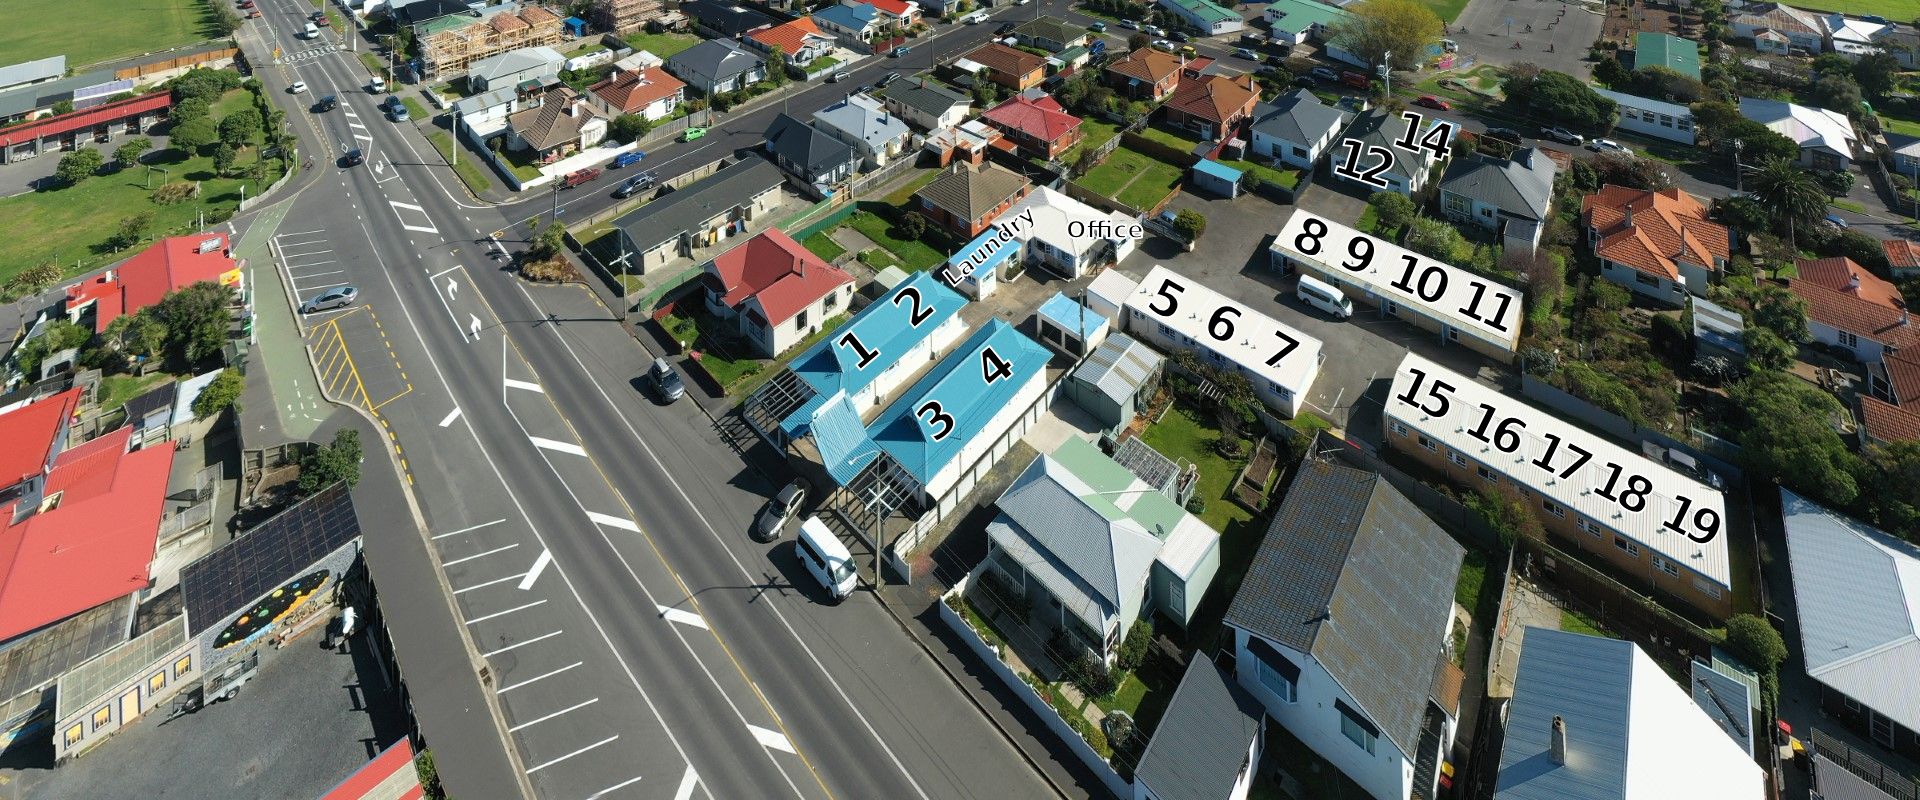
x=1627, y=214
x=1557, y=747
x=1853, y=283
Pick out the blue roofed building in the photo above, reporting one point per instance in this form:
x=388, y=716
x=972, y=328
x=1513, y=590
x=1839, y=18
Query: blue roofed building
x=1216, y=177
x=1070, y=327
x=851, y=23
x=980, y=266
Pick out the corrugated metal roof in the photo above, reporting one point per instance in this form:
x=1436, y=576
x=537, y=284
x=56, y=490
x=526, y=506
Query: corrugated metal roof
x=85, y=685
x=1725, y=701
x=1831, y=781
x=1071, y=316
x=959, y=383
x=1215, y=169
x=1119, y=367
x=1201, y=745
x=884, y=328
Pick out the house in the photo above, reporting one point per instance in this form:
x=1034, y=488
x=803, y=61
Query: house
x=484, y=116
x=1278, y=360
x=1904, y=43
x=1854, y=588
x=894, y=14
x=1826, y=138
x=861, y=121
x=1146, y=74
x=1666, y=50
x=1772, y=42
x=1659, y=244
x=810, y=154
x=64, y=132
x=1685, y=561
x=1853, y=309
x=451, y=43
x=1207, y=745
x=1015, y=69
x=1051, y=34
x=966, y=199
x=1380, y=128
x=966, y=143
x=649, y=93
x=700, y=214
x=717, y=65
x=1211, y=18
x=720, y=19
x=1853, y=37
x=1212, y=106
x=800, y=40
x=561, y=124
x=1510, y=196
x=1906, y=152
x=1903, y=257
x=1036, y=123
x=1802, y=29
x=621, y=16
x=166, y=266
x=1342, y=627
x=775, y=292
x=1656, y=118
x=1117, y=381
x=1593, y=717
x=853, y=24
x=925, y=105
x=512, y=67
x=1079, y=534
x=1296, y=128
x=1292, y=23
x=1070, y=238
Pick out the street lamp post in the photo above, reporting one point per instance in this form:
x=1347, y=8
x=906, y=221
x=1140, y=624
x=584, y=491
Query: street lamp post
x=1386, y=71
x=1738, y=184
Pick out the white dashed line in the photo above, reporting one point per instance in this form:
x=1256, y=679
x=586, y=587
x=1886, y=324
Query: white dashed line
x=537, y=678
x=504, y=613
x=481, y=555
x=519, y=644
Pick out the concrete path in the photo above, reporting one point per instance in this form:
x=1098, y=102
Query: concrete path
x=295, y=394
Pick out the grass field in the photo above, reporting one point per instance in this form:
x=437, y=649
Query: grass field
x=1901, y=126
x=415, y=109
x=92, y=31
x=663, y=45
x=1132, y=177
x=916, y=256
x=1449, y=10
x=1894, y=10
x=824, y=246
x=474, y=175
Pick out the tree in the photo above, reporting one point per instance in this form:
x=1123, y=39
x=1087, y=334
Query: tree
x=1507, y=514
x=1789, y=436
x=325, y=466
x=1876, y=74
x=1190, y=224
x=1780, y=310
x=1622, y=169
x=221, y=394
x=914, y=226
x=197, y=317
x=1663, y=83
x=205, y=84
x=132, y=230
x=1373, y=28
x=194, y=133
x=1133, y=648
x=189, y=109
x=1739, y=213
x=130, y=151
x=777, y=66
x=628, y=127
x=1712, y=117
x=1557, y=95
x=136, y=335
x=1837, y=183
x=30, y=281
x=1611, y=73
x=549, y=238
x=78, y=165
x=223, y=157
x=60, y=335
x=1831, y=64
x=1837, y=92
x=1788, y=192
x=1893, y=486
x=239, y=128
x=1438, y=239
x=1756, y=642
x=1766, y=350
x=1754, y=142
x=1392, y=210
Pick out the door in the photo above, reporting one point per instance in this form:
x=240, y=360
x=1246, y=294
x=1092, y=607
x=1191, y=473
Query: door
x=1880, y=727
x=129, y=706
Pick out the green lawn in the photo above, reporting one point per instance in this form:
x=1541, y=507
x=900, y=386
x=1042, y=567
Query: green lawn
x=1369, y=221
x=517, y=161
x=1901, y=11
x=1094, y=132
x=1285, y=178
x=1169, y=138
x=591, y=46
x=1576, y=622
x=661, y=44
x=116, y=390
x=1182, y=434
x=822, y=245
x=877, y=259
x=1449, y=10
x=1849, y=205
x=1132, y=177
x=417, y=111
x=1898, y=125
x=902, y=196
x=1473, y=574
x=913, y=255
x=92, y=31
x=470, y=172
x=375, y=65
x=822, y=64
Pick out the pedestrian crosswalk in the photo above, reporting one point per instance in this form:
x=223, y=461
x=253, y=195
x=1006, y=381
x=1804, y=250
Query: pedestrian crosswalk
x=309, y=54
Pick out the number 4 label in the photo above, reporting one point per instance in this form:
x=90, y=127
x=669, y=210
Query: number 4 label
x=1433, y=141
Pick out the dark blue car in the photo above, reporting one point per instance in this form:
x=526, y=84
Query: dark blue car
x=627, y=159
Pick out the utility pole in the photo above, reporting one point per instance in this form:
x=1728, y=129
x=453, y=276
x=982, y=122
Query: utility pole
x=453, y=146
x=555, y=220
x=1737, y=182
x=1386, y=71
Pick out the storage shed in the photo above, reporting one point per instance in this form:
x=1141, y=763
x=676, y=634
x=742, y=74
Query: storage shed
x=1117, y=381
x=1068, y=326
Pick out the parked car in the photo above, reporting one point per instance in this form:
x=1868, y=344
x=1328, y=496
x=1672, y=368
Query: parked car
x=298, y=87
x=580, y=176
x=1181, y=36
x=1276, y=60
x=1162, y=44
x=1098, y=27
x=1564, y=136
x=666, y=381
x=635, y=184
x=1241, y=52
x=627, y=159
x=1507, y=135
x=1304, y=82
x=246, y=3
x=780, y=510
x=336, y=297
x=397, y=111
x=1011, y=41
x=839, y=76
x=1129, y=24
x=1004, y=29
x=1608, y=146
x=326, y=104
x=973, y=19
x=352, y=157
x=317, y=16
x=322, y=21
x=1836, y=221
x=1430, y=101
x=1357, y=80
x=377, y=85
x=692, y=134
x=1325, y=73
x=1153, y=30
x=253, y=13
x=887, y=79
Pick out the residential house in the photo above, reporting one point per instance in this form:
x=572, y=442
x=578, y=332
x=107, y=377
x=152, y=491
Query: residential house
x=1146, y=74
x=1117, y=382
x=1207, y=745
x=722, y=19
x=1065, y=235
x=775, y=292
x=1214, y=106
x=1211, y=18
x=1593, y=717
x=1656, y=118
x=1051, y=34
x=925, y=105
x=1890, y=408
x=1015, y=69
x=649, y=93
x=1906, y=153
x=717, y=65
x=855, y=24
x=700, y=214
x=1854, y=588
x=966, y=143
x=450, y=44
x=1037, y=123
x=861, y=121
x=1342, y=629
x=1903, y=257
x=1098, y=548
x=1854, y=37
x=81, y=128
x=1279, y=361
x=621, y=16
x=810, y=154
x=1510, y=196
x=1292, y=23
x=1666, y=50
x=1802, y=29
x=1296, y=128
x=512, y=67
x=1380, y=128
x=166, y=266
x=1853, y=309
x=965, y=199
x=484, y=116
x=563, y=123
x=1772, y=42
x=1659, y=244
x=894, y=15
x=800, y=40
x=1826, y=138
x=1904, y=43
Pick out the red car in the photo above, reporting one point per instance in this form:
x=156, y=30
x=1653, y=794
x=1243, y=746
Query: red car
x=1430, y=101
x=579, y=177
x=246, y=3
x=322, y=22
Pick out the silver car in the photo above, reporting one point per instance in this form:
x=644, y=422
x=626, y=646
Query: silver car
x=780, y=510
x=666, y=380
x=336, y=297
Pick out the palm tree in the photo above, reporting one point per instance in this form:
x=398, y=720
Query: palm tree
x=1788, y=193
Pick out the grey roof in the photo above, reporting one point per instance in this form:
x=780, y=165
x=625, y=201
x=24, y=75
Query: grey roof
x=864, y=118
x=1202, y=741
x=23, y=99
x=514, y=62
x=970, y=192
x=1521, y=186
x=924, y=96
x=37, y=659
x=89, y=682
x=1104, y=560
x=1587, y=681
x=727, y=18
x=1298, y=117
x=1724, y=698
x=1856, y=589
x=1831, y=781
x=1049, y=28
x=1377, y=127
x=469, y=106
x=1353, y=573
x=811, y=148
x=716, y=59
x=1119, y=367
x=670, y=216
x=36, y=70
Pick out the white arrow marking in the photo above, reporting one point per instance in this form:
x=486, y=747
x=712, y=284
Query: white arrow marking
x=539, y=565
x=772, y=739
x=452, y=288
x=612, y=521
x=473, y=326
x=683, y=617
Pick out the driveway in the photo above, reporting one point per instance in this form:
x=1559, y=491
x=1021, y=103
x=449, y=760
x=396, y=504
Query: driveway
x=1558, y=38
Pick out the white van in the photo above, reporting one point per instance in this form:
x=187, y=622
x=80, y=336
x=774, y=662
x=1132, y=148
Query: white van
x=310, y=32
x=1324, y=296
x=824, y=556
x=377, y=85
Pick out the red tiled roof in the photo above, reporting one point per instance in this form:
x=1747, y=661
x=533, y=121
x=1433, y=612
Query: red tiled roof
x=1003, y=59
x=1903, y=375
x=1887, y=423
x=897, y=8
x=1840, y=274
x=1863, y=318
x=1147, y=64
x=27, y=435
x=631, y=91
x=1195, y=64
x=1042, y=119
x=790, y=37
x=774, y=270
x=389, y=776
x=1216, y=99
x=505, y=23
x=534, y=15
x=91, y=546
x=168, y=265
x=86, y=118
x=1901, y=253
x=1666, y=225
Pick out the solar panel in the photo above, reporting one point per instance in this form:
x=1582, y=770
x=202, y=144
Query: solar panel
x=279, y=550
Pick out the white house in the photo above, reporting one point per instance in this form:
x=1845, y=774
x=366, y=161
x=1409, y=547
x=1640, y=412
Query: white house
x=775, y=292
x=1176, y=313
x=1661, y=120
x=512, y=67
x=1296, y=129
x=865, y=123
x=1826, y=138
x=924, y=105
x=1068, y=237
x=1292, y=23
x=1211, y=18
x=1852, y=309
x=484, y=115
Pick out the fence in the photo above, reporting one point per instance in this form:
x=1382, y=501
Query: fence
x=1616, y=606
x=249, y=202
x=1865, y=767
x=1558, y=399
x=209, y=58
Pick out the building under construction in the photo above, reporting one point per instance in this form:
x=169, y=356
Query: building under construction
x=621, y=16
x=448, y=50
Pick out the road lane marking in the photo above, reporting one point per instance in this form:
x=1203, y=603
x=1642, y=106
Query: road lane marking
x=443, y=272
x=773, y=739
x=536, y=679
x=450, y=417
x=490, y=583
x=621, y=785
x=608, y=740
x=539, y=566
x=564, y=447
x=574, y=707
x=687, y=782
x=480, y=555
x=470, y=528
x=520, y=644
x=613, y=522
x=683, y=617
x=527, y=385
x=504, y=613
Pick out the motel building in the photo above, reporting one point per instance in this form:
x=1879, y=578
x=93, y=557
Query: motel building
x=1175, y=313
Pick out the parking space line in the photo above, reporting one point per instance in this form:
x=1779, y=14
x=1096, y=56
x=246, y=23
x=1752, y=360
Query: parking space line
x=480, y=555
x=520, y=644
x=687, y=783
x=683, y=617
x=605, y=741
x=539, y=566
x=490, y=583
x=574, y=707
x=470, y=528
x=536, y=679
x=299, y=233
x=772, y=739
x=563, y=447
x=621, y=785
x=504, y=613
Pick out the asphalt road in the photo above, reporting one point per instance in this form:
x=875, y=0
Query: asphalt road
x=633, y=641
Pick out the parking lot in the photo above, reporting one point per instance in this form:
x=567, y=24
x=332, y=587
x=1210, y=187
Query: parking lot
x=1554, y=34
x=351, y=353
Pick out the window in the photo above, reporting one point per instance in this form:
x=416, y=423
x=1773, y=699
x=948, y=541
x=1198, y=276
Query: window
x=1399, y=429
x=1707, y=587
x=1645, y=280
x=75, y=734
x=1489, y=475
x=1628, y=112
x=1455, y=457
x=1428, y=443
x=1849, y=340
x=182, y=667
x=1666, y=120
x=1458, y=204
x=1356, y=727
x=1628, y=547
x=102, y=716
x=1275, y=388
x=156, y=682
x=1852, y=704
x=800, y=321
x=1665, y=566
x=1587, y=527
x=833, y=300
x=1552, y=508
x=1300, y=152
x=1164, y=329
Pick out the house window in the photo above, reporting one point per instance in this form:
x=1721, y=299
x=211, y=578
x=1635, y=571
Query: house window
x=1707, y=587
x=1627, y=112
x=1552, y=508
x=800, y=321
x=1399, y=429
x=833, y=300
x=1428, y=443
x=1645, y=280
x=1276, y=672
x=156, y=682
x=1356, y=727
x=1275, y=388
x=1628, y=547
x=1666, y=120
x=1489, y=475
x=1589, y=527
x=182, y=667
x=1300, y=152
x=1455, y=457
x=101, y=717
x=1164, y=330
x=1459, y=205
x=1665, y=566
x=1852, y=704
x=75, y=734
x=1849, y=340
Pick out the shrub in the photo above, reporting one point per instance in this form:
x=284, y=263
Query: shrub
x=1133, y=649
x=79, y=165
x=547, y=270
x=223, y=393
x=175, y=193
x=1229, y=445
x=1196, y=505
x=339, y=461
x=1090, y=675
